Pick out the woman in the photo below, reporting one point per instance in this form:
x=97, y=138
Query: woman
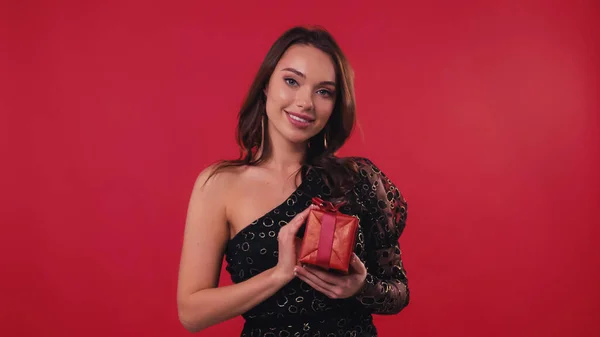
x=299, y=112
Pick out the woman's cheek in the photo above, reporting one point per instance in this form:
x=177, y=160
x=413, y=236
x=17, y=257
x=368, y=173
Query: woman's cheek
x=324, y=111
x=285, y=95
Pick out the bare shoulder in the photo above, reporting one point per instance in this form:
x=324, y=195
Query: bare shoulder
x=207, y=209
x=215, y=187
x=216, y=179
x=206, y=230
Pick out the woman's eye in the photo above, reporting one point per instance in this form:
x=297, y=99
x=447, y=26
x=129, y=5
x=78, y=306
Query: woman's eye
x=325, y=93
x=290, y=81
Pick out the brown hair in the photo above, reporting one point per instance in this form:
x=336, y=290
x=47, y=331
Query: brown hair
x=338, y=173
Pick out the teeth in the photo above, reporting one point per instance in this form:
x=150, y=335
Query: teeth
x=298, y=118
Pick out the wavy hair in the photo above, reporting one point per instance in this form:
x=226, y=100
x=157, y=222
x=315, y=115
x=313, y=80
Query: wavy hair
x=338, y=173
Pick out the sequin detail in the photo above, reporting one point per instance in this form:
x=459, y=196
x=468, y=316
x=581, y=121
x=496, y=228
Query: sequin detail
x=297, y=309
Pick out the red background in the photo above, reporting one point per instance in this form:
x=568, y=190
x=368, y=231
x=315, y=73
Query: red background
x=485, y=114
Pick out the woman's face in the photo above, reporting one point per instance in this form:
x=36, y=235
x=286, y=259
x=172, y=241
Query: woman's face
x=300, y=94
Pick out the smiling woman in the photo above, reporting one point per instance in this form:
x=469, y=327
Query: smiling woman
x=302, y=119
x=300, y=94
x=300, y=110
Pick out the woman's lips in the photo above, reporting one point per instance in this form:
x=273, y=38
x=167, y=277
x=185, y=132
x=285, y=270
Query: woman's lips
x=299, y=120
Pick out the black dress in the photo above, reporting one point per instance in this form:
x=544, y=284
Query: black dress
x=299, y=310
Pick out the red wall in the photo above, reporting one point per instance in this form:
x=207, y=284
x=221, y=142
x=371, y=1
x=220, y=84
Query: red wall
x=485, y=114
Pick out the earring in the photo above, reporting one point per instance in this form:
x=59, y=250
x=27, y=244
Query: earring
x=262, y=129
x=325, y=141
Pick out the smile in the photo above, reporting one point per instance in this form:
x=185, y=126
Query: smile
x=299, y=121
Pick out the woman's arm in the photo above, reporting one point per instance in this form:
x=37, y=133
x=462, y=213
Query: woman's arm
x=386, y=288
x=201, y=303
x=380, y=284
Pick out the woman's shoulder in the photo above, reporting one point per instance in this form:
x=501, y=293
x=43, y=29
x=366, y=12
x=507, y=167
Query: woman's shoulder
x=377, y=188
x=219, y=176
x=364, y=166
x=372, y=174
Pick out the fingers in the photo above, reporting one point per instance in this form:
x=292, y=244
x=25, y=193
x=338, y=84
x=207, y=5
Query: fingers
x=316, y=283
x=357, y=264
x=289, y=231
x=326, y=278
x=299, y=219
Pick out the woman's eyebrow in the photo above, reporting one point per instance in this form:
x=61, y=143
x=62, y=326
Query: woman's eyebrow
x=299, y=73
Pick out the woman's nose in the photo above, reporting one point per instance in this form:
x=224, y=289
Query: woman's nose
x=304, y=99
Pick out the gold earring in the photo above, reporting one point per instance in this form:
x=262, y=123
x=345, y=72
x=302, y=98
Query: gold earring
x=262, y=128
x=325, y=141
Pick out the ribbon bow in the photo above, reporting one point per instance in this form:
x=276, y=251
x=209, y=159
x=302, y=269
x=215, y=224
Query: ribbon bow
x=327, y=205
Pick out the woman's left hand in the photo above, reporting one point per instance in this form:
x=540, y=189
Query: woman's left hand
x=333, y=285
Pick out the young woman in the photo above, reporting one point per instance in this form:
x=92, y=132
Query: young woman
x=300, y=110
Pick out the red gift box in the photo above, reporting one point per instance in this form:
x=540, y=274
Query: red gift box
x=329, y=237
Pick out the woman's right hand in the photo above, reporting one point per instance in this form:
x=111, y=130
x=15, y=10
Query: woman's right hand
x=287, y=256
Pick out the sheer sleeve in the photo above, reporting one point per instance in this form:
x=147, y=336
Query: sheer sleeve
x=385, y=291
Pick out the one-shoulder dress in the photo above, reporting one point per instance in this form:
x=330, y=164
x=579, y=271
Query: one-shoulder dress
x=297, y=310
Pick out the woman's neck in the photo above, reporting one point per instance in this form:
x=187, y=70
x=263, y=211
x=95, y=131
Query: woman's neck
x=284, y=156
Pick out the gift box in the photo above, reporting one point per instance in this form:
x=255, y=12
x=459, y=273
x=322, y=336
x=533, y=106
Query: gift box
x=329, y=237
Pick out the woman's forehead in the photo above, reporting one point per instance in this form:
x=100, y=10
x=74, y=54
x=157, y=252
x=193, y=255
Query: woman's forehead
x=313, y=63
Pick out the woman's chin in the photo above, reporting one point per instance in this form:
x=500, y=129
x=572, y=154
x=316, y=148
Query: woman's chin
x=297, y=136
x=299, y=140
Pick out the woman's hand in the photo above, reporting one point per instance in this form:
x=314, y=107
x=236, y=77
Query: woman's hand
x=289, y=245
x=333, y=285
